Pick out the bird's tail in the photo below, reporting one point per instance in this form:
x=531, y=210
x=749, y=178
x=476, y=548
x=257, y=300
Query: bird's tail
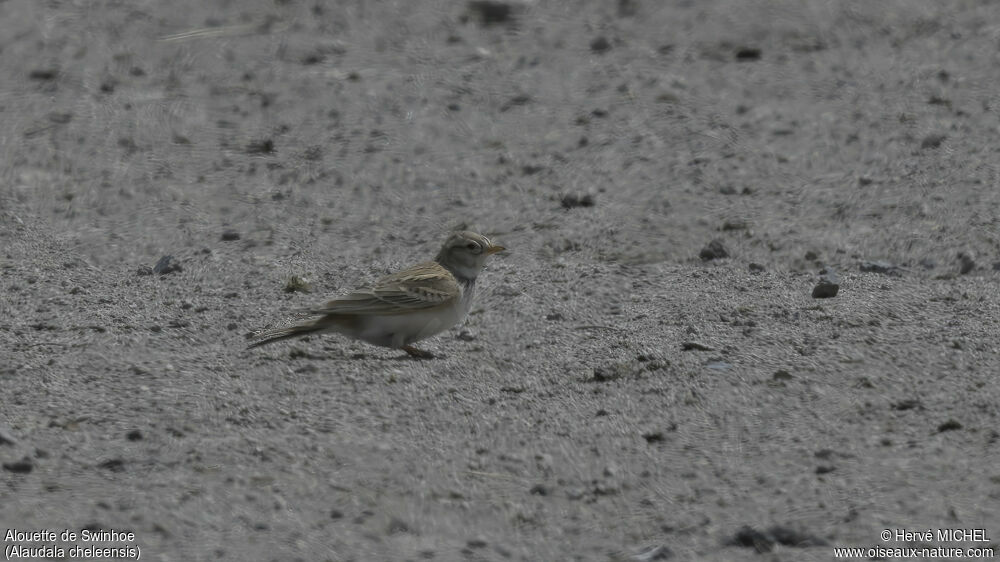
x=278, y=334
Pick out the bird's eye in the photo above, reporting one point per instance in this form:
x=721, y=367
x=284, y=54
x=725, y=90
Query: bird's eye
x=472, y=246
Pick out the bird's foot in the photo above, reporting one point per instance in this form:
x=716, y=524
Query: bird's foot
x=418, y=353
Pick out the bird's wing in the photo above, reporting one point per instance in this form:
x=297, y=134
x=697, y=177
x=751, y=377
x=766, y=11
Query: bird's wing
x=420, y=287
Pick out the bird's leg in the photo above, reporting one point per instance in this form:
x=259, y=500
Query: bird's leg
x=418, y=353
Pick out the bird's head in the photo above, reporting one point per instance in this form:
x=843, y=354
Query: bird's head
x=465, y=253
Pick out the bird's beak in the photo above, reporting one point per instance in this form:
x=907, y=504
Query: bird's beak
x=494, y=249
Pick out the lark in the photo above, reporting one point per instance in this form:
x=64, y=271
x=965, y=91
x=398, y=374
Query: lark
x=405, y=307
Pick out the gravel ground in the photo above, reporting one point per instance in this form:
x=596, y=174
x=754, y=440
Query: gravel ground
x=646, y=375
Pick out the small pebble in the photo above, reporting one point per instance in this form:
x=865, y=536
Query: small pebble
x=933, y=140
x=600, y=45
x=573, y=200
x=22, y=466
x=950, y=425
x=749, y=537
x=965, y=263
x=828, y=285
x=6, y=437
x=782, y=375
x=713, y=250
x=653, y=436
x=652, y=554
x=478, y=542
x=167, y=265
x=539, y=490
x=491, y=12
x=882, y=267
x=397, y=525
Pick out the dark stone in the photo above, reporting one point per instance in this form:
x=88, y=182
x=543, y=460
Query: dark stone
x=713, y=250
x=114, y=465
x=653, y=437
x=573, y=200
x=539, y=490
x=477, y=542
x=520, y=99
x=966, y=263
x=933, y=140
x=950, y=425
x=60, y=117
x=607, y=373
x=825, y=290
x=600, y=45
x=167, y=265
x=22, y=466
x=751, y=538
x=882, y=267
x=797, y=539
x=764, y=541
x=828, y=285
x=491, y=12
x=627, y=8
x=43, y=74
x=907, y=404
x=782, y=375
x=262, y=146
x=397, y=526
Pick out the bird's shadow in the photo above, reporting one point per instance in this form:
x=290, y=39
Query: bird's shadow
x=333, y=355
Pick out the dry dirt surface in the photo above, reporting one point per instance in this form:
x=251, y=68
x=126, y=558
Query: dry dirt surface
x=646, y=374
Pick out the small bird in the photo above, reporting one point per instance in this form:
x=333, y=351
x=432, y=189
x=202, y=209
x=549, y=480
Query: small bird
x=407, y=306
